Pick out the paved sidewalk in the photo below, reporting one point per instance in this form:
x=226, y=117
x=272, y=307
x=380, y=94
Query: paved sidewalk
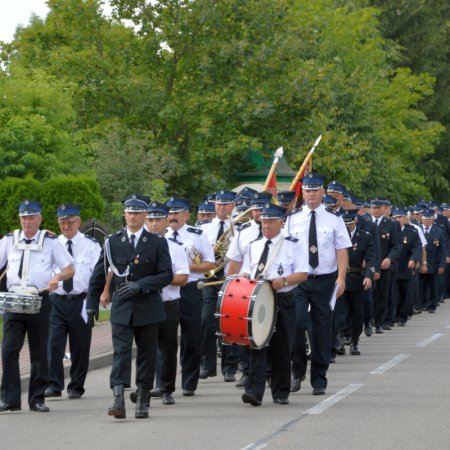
x=101, y=352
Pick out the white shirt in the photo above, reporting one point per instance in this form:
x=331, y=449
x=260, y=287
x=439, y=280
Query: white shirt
x=192, y=237
x=422, y=237
x=180, y=266
x=245, y=234
x=42, y=262
x=211, y=228
x=86, y=252
x=291, y=258
x=332, y=235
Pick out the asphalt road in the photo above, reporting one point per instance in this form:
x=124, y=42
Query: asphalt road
x=396, y=395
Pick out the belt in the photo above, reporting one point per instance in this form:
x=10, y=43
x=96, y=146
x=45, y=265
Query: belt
x=354, y=269
x=70, y=297
x=324, y=275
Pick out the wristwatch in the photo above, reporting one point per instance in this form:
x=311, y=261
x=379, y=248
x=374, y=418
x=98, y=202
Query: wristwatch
x=285, y=282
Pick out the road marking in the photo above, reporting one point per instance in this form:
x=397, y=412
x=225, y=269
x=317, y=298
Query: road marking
x=322, y=406
x=252, y=446
x=388, y=365
x=429, y=340
x=448, y=326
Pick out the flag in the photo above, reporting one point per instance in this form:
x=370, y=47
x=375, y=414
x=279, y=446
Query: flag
x=272, y=185
x=298, y=185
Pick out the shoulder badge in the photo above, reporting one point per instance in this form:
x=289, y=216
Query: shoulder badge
x=50, y=235
x=91, y=238
x=365, y=232
x=175, y=241
x=291, y=239
x=195, y=230
x=257, y=239
x=294, y=211
x=331, y=211
x=204, y=222
x=9, y=234
x=244, y=226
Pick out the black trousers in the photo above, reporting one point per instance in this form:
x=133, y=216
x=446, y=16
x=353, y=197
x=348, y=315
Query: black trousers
x=168, y=346
x=190, y=345
x=368, y=306
x=404, y=296
x=15, y=327
x=316, y=292
x=230, y=353
x=381, y=295
x=146, y=338
x=353, y=302
x=277, y=355
x=427, y=282
x=66, y=321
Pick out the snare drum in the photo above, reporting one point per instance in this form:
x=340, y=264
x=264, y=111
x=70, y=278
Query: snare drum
x=20, y=303
x=246, y=312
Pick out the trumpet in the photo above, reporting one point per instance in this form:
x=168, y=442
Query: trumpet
x=194, y=254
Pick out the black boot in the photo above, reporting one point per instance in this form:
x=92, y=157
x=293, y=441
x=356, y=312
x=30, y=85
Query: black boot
x=118, y=408
x=142, y=403
x=340, y=349
x=354, y=347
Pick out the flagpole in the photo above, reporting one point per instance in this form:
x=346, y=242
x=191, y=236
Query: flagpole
x=278, y=156
x=300, y=172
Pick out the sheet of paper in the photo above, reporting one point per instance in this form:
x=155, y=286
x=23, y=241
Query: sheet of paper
x=83, y=312
x=333, y=297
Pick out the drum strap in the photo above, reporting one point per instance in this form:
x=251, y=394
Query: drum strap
x=27, y=249
x=272, y=257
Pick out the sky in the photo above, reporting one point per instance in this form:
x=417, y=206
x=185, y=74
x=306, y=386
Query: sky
x=18, y=12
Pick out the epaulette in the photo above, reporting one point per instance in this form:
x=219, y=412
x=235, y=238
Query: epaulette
x=196, y=230
x=331, y=211
x=362, y=230
x=91, y=238
x=9, y=234
x=410, y=227
x=291, y=239
x=203, y=222
x=294, y=211
x=257, y=239
x=51, y=235
x=244, y=226
x=174, y=240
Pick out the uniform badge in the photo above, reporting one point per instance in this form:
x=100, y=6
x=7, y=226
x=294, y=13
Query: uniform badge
x=313, y=249
x=280, y=269
x=261, y=267
x=144, y=239
x=354, y=246
x=436, y=243
x=383, y=236
x=387, y=235
x=123, y=239
x=405, y=240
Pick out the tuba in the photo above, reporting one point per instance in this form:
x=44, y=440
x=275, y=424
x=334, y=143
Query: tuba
x=194, y=254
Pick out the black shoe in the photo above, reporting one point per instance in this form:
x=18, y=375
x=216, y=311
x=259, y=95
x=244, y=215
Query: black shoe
x=368, y=330
x=142, y=403
x=133, y=397
x=117, y=410
x=340, y=350
x=9, y=407
x=241, y=383
x=39, y=407
x=204, y=374
x=188, y=393
x=229, y=378
x=269, y=382
x=379, y=330
x=354, y=349
x=281, y=401
x=72, y=395
x=332, y=359
x=51, y=393
x=431, y=310
x=247, y=397
x=402, y=324
x=417, y=311
x=295, y=384
x=386, y=327
x=167, y=399
x=318, y=391
x=156, y=392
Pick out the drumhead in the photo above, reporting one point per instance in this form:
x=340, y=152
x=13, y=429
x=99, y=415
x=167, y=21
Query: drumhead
x=263, y=314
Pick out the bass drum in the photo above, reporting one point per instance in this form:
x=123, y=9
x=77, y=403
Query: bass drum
x=246, y=312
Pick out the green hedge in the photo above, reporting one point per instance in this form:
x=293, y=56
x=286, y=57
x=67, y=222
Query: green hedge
x=80, y=189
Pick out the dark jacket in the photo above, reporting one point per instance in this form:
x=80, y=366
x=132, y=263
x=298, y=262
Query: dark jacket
x=361, y=260
x=150, y=266
x=436, y=249
x=410, y=249
x=389, y=239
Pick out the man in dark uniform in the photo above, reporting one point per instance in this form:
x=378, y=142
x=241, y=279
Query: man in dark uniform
x=31, y=255
x=141, y=267
x=435, y=263
x=68, y=315
x=360, y=272
x=389, y=247
x=410, y=254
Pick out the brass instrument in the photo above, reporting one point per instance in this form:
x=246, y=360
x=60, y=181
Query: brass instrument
x=223, y=243
x=194, y=254
x=201, y=284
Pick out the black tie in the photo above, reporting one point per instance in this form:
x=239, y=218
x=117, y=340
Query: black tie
x=260, y=231
x=263, y=260
x=313, y=250
x=132, y=243
x=175, y=235
x=376, y=221
x=427, y=230
x=68, y=284
x=222, y=223
x=27, y=241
